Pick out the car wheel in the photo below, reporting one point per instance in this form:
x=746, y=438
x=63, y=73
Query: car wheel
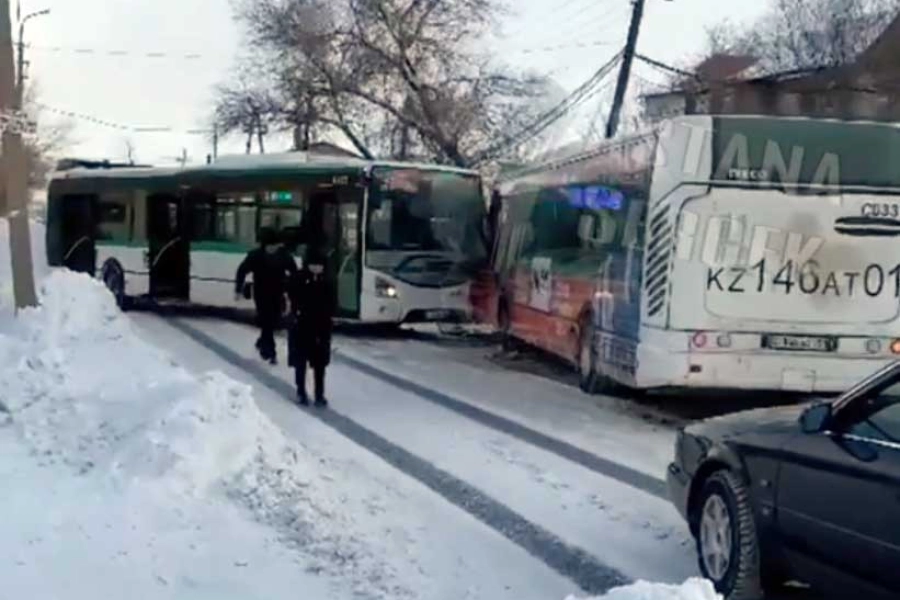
x=727, y=544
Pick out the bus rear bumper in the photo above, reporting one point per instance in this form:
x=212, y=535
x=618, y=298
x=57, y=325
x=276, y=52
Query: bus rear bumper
x=771, y=371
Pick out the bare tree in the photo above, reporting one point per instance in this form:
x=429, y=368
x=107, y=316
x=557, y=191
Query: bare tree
x=399, y=77
x=246, y=107
x=49, y=139
x=806, y=34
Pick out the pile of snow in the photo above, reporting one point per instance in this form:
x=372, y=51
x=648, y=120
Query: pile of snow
x=131, y=476
x=102, y=419
x=692, y=589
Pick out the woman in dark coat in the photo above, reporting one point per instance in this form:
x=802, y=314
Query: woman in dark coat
x=312, y=306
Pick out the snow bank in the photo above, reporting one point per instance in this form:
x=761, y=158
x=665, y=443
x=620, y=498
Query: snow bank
x=692, y=589
x=86, y=397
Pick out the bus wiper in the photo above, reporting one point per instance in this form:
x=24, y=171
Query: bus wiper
x=868, y=226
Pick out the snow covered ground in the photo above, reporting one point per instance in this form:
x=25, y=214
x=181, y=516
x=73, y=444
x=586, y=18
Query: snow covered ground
x=139, y=463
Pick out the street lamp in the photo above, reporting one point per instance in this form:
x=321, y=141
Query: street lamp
x=20, y=90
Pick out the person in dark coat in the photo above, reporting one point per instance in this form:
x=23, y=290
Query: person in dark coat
x=309, y=340
x=271, y=266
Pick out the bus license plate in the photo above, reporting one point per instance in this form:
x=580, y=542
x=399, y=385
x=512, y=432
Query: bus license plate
x=436, y=314
x=799, y=342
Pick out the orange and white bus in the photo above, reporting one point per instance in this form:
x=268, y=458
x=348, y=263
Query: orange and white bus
x=715, y=251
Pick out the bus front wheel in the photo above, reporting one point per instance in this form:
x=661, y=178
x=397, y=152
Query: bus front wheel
x=114, y=279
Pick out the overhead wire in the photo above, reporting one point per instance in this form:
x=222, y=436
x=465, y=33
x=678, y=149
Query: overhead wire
x=118, y=53
x=562, y=28
x=119, y=126
x=554, y=114
x=555, y=12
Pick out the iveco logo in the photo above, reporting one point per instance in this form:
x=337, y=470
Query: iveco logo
x=748, y=174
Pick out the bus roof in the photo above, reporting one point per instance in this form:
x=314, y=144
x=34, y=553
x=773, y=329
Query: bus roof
x=289, y=162
x=755, y=134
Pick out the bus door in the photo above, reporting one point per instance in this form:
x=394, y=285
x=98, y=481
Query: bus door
x=78, y=228
x=335, y=213
x=168, y=256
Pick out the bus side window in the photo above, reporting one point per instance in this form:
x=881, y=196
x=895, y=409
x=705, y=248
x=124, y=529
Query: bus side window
x=114, y=217
x=235, y=219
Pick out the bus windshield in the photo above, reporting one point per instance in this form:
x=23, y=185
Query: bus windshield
x=425, y=227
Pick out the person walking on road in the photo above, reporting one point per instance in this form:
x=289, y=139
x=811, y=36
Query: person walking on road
x=309, y=339
x=271, y=267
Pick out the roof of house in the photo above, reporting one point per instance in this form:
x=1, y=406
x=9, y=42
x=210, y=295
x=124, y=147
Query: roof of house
x=724, y=67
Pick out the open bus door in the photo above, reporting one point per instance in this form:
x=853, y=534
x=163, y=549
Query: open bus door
x=168, y=256
x=77, y=222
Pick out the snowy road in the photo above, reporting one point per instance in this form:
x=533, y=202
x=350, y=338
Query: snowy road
x=481, y=483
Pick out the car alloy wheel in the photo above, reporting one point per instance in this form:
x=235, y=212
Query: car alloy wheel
x=715, y=535
x=727, y=543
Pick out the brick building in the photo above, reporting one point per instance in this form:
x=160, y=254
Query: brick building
x=868, y=88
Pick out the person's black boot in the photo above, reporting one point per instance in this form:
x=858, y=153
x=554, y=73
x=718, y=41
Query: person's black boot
x=302, y=398
x=319, y=378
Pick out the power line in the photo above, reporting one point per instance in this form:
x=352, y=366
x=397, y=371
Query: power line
x=119, y=126
x=554, y=114
x=591, y=27
x=558, y=47
x=555, y=11
x=119, y=53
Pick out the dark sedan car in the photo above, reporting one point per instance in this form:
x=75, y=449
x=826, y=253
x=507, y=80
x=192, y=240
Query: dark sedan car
x=808, y=493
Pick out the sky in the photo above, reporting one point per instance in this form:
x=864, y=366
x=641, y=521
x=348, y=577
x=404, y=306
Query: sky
x=153, y=64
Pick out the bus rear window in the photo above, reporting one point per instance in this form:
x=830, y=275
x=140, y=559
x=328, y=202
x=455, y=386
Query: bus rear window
x=805, y=151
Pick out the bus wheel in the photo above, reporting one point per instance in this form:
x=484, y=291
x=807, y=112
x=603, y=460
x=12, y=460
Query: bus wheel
x=587, y=373
x=114, y=279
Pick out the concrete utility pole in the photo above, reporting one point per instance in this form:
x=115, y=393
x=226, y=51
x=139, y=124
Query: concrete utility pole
x=634, y=28
x=15, y=163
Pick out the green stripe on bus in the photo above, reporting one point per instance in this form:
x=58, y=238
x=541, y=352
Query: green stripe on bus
x=120, y=244
x=225, y=247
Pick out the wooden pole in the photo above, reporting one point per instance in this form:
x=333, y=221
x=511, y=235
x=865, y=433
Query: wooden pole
x=15, y=172
x=634, y=28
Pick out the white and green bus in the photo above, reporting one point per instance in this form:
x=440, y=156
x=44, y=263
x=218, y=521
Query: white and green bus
x=403, y=240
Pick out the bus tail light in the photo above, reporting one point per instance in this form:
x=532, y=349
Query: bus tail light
x=895, y=347
x=699, y=340
x=384, y=288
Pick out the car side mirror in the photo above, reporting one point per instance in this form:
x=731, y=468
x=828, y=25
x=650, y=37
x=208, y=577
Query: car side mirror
x=817, y=418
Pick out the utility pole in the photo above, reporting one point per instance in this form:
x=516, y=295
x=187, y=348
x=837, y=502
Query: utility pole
x=215, y=140
x=15, y=164
x=634, y=28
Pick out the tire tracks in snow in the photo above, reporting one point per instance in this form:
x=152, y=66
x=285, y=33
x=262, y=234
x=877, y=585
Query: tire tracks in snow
x=572, y=562
x=602, y=466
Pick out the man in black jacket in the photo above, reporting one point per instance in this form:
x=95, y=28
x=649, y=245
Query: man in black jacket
x=312, y=305
x=271, y=266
